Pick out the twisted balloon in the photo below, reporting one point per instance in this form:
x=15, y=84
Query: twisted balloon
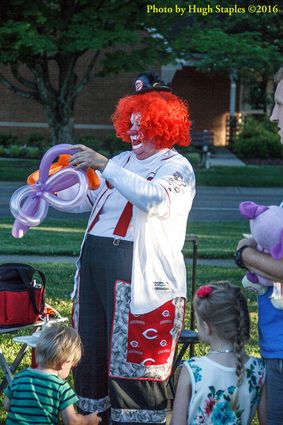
x=29, y=204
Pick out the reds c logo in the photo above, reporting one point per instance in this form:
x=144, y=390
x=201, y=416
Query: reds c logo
x=145, y=333
x=138, y=85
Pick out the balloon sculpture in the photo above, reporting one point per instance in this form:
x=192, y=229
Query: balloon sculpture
x=29, y=204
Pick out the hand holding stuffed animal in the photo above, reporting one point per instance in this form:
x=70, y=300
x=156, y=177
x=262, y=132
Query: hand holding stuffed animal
x=266, y=224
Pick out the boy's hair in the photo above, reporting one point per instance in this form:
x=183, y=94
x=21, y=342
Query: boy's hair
x=225, y=308
x=57, y=344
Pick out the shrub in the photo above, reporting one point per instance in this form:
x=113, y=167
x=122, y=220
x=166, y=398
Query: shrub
x=8, y=140
x=258, y=139
x=90, y=141
x=38, y=140
x=194, y=158
x=15, y=151
x=32, y=152
x=114, y=145
x=109, y=146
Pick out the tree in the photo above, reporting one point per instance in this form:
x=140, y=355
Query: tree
x=245, y=42
x=38, y=36
x=226, y=38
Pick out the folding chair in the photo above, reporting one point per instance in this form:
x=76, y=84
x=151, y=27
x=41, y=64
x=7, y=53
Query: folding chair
x=25, y=341
x=188, y=337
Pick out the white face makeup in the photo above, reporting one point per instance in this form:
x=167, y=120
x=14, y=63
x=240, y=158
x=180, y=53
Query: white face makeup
x=142, y=150
x=277, y=113
x=134, y=131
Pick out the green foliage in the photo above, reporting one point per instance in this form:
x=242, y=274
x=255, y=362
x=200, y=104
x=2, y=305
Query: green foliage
x=43, y=41
x=8, y=139
x=194, y=158
x=36, y=28
x=34, y=146
x=23, y=151
x=257, y=139
x=108, y=146
x=14, y=151
x=32, y=152
x=222, y=42
x=38, y=140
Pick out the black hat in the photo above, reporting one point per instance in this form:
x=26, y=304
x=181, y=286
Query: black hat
x=150, y=81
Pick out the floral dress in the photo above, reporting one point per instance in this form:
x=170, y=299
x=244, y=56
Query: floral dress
x=213, y=386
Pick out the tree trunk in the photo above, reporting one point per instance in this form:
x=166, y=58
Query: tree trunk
x=61, y=127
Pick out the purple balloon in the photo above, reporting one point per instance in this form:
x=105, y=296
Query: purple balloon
x=29, y=204
x=49, y=157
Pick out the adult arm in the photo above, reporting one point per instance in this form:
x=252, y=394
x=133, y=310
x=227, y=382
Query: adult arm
x=174, y=181
x=71, y=417
x=261, y=410
x=152, y=197
x=148, y=196
x=182, y=399
x=260, y=262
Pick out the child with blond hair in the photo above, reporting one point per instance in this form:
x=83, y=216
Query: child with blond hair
x=226, y=386
x=38, y=396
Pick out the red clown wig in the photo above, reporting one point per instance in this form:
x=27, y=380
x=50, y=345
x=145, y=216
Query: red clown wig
x=164, y=118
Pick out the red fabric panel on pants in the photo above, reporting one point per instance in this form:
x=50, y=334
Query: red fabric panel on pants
x=149, y=335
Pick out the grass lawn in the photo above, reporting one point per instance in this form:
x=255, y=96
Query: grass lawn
x=249, y=176
x=59, y=285
x=17, y=169
x=59, y=237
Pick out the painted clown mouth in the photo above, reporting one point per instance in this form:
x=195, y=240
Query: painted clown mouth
x=136, y=144
x=134, y=147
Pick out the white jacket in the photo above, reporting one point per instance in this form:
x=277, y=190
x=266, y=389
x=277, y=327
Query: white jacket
x=160, y=213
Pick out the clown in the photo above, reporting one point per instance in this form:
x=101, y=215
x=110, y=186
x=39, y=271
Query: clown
x=130, y=287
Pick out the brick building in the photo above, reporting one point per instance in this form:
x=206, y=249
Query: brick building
x=208, y=99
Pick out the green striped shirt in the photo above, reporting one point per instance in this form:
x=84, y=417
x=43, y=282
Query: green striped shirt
x=37, y=398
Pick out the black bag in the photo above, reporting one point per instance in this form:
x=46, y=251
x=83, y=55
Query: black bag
x=21, y=296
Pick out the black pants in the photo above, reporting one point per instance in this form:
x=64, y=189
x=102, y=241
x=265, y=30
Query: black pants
x=101, y=379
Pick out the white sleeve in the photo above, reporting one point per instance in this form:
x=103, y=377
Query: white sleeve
x=153, y=197
x=87, y=204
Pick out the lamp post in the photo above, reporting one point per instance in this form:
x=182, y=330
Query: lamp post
x=232, y=105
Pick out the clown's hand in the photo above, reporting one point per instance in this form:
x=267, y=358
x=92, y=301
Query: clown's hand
x=87, y=157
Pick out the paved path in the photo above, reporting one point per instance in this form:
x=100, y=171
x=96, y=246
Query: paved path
x=223, y=157
x=210, y=203
x=222, y=203
x=71, y=260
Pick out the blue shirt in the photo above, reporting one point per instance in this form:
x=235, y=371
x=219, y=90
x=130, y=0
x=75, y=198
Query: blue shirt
x=270, y=326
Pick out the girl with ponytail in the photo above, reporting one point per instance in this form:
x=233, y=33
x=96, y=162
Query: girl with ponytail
x=226, y=386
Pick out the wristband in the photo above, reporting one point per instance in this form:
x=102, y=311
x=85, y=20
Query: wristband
x=238, y=256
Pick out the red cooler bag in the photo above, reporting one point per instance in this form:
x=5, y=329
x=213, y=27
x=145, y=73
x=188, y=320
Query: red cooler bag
x=21, y=294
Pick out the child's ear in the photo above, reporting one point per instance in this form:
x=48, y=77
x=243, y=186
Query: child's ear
x=207, y=327
x=61, y=366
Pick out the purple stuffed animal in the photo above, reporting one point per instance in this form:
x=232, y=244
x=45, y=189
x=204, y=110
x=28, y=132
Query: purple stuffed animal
x=266, y=224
